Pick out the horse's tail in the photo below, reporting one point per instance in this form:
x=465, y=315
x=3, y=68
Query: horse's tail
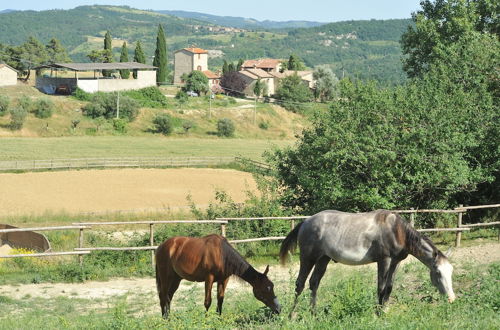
x=289, y=243
x=157, y=269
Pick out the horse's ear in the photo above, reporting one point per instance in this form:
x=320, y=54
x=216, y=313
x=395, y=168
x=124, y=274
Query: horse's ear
x=267, y=270
x=449, y=253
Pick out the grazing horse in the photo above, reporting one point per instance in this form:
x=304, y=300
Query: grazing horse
x=361, y=238
x=208, y=259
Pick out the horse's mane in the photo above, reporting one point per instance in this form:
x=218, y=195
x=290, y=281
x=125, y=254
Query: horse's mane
x=413, y=239
x=235, y=264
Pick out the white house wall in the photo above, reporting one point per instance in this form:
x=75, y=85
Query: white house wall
x=8, y=77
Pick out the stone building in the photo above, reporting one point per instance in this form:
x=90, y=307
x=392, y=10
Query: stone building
x=187, y=60
x=8, y=75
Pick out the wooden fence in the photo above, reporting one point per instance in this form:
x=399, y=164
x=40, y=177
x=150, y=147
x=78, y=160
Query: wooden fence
x=223, y=222
x=82, y=163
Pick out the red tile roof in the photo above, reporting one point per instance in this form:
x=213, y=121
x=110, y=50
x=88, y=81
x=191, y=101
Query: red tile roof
x=266, y=63
x=256, y=73
x=210, y=74
x=196, y=50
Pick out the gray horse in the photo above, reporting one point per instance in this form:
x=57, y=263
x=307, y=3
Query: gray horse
x=361, y=238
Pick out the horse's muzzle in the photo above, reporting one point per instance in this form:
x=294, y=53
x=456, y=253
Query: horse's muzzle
x=276, y=306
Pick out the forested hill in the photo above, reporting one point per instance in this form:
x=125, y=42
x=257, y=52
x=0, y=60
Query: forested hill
x=241, y=22
x=360, y=49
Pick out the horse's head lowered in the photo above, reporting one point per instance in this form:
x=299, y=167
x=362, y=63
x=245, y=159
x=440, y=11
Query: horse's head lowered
x=441, y=271
x=263, y=290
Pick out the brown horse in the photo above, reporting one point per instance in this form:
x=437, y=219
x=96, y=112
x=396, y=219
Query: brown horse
x=208, y=259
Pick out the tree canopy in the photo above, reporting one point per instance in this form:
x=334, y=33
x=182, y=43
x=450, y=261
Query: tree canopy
x=160, y=59
x=196, y=81
x=125, y=74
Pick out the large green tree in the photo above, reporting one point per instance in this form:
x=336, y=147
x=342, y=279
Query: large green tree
x=160, y=60
x=325, y=88
x=196, y=81
x=56, y=52
x=292, y=92
x=125, y=74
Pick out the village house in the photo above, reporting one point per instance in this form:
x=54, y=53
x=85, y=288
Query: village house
x=88, y=77
x=251, y=76
x=267, y=64
x=8, y=75
x=187, y=60
x=306, y=76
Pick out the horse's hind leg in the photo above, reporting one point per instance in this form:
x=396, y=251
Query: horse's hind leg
x=317, y=275
x=306, y=265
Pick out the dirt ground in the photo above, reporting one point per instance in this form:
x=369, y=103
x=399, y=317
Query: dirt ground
x=117, y=189
x=480, y=254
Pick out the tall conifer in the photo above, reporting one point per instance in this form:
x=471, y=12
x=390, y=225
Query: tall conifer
x=160, y=60
x=139, y=56
x=125, y=74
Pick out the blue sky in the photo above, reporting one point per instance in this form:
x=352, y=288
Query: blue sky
x=278, y=10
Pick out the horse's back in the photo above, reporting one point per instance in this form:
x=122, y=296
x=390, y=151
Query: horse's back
x=344, y=237
x=192, y=257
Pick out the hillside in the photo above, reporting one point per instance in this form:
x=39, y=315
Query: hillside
x=240, y=22
x=359, y=49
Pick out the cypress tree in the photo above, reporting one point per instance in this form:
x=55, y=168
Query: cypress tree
x=225, y=68
x=139, y=56
x=108, y=53
x=160, y=60
x=125, y=74
x=231, y=67
x=240, y=64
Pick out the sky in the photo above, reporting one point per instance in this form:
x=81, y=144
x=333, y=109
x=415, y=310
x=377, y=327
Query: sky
x=276, y=10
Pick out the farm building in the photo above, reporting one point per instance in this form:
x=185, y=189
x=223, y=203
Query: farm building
x=252, y=75
x=187, y=60
x=267, y=64
x=305, y=76
x=89, y=78
x=8, y=75
x=213, y=79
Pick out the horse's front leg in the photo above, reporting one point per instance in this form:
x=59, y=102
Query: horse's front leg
x=389, y=280
x=209, y=281
x=382, y=271
x=221, y=288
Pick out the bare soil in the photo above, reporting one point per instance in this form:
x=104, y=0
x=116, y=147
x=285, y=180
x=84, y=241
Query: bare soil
x=117, y=189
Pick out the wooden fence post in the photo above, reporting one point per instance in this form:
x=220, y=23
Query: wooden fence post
x=223, y=229
x=80, y=245
x=412, y=218
x=151, y=243
x=292, y=224
x=459, y=224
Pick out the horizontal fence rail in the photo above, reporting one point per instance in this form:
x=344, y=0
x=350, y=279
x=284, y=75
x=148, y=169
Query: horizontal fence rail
x=82, y=163
x=223, y=222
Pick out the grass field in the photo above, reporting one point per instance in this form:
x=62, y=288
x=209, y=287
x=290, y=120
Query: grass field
x=124, y=146
x=346, y=299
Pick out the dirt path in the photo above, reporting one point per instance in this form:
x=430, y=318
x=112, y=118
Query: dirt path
x=480, y=254
x=117, y=189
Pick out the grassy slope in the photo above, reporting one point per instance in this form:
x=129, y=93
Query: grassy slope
x=60, y=141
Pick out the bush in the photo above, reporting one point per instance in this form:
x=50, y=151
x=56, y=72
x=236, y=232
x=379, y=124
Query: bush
x=26, y=103
x=120, y=125
x=225, y=127
x=104, y=105
x=151, y=97
x=81, y=95
x=181, y=97
x=187, y=125
x=4, y=105
x=163, y=123
x=264, y=125
x=17, y=117
x=44, y=108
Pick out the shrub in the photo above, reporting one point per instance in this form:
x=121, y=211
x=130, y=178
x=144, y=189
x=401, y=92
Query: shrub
x=181, y=97
x=187, y=125
x=120, y=125
x=4, y=105
x=26, y=103
x=105, y=105
x=17, y=117
x=44, y=108
x=264, y=125
x=74, y=123
x=163, y=123
x=148, y=97
x=81, y=95
x=225, y=127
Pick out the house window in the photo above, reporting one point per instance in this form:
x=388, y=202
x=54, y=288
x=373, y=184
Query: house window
x=199, y=56
x=199, y=68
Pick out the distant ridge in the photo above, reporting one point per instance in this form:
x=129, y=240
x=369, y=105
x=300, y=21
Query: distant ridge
x=6, y=11
x=241, y=22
